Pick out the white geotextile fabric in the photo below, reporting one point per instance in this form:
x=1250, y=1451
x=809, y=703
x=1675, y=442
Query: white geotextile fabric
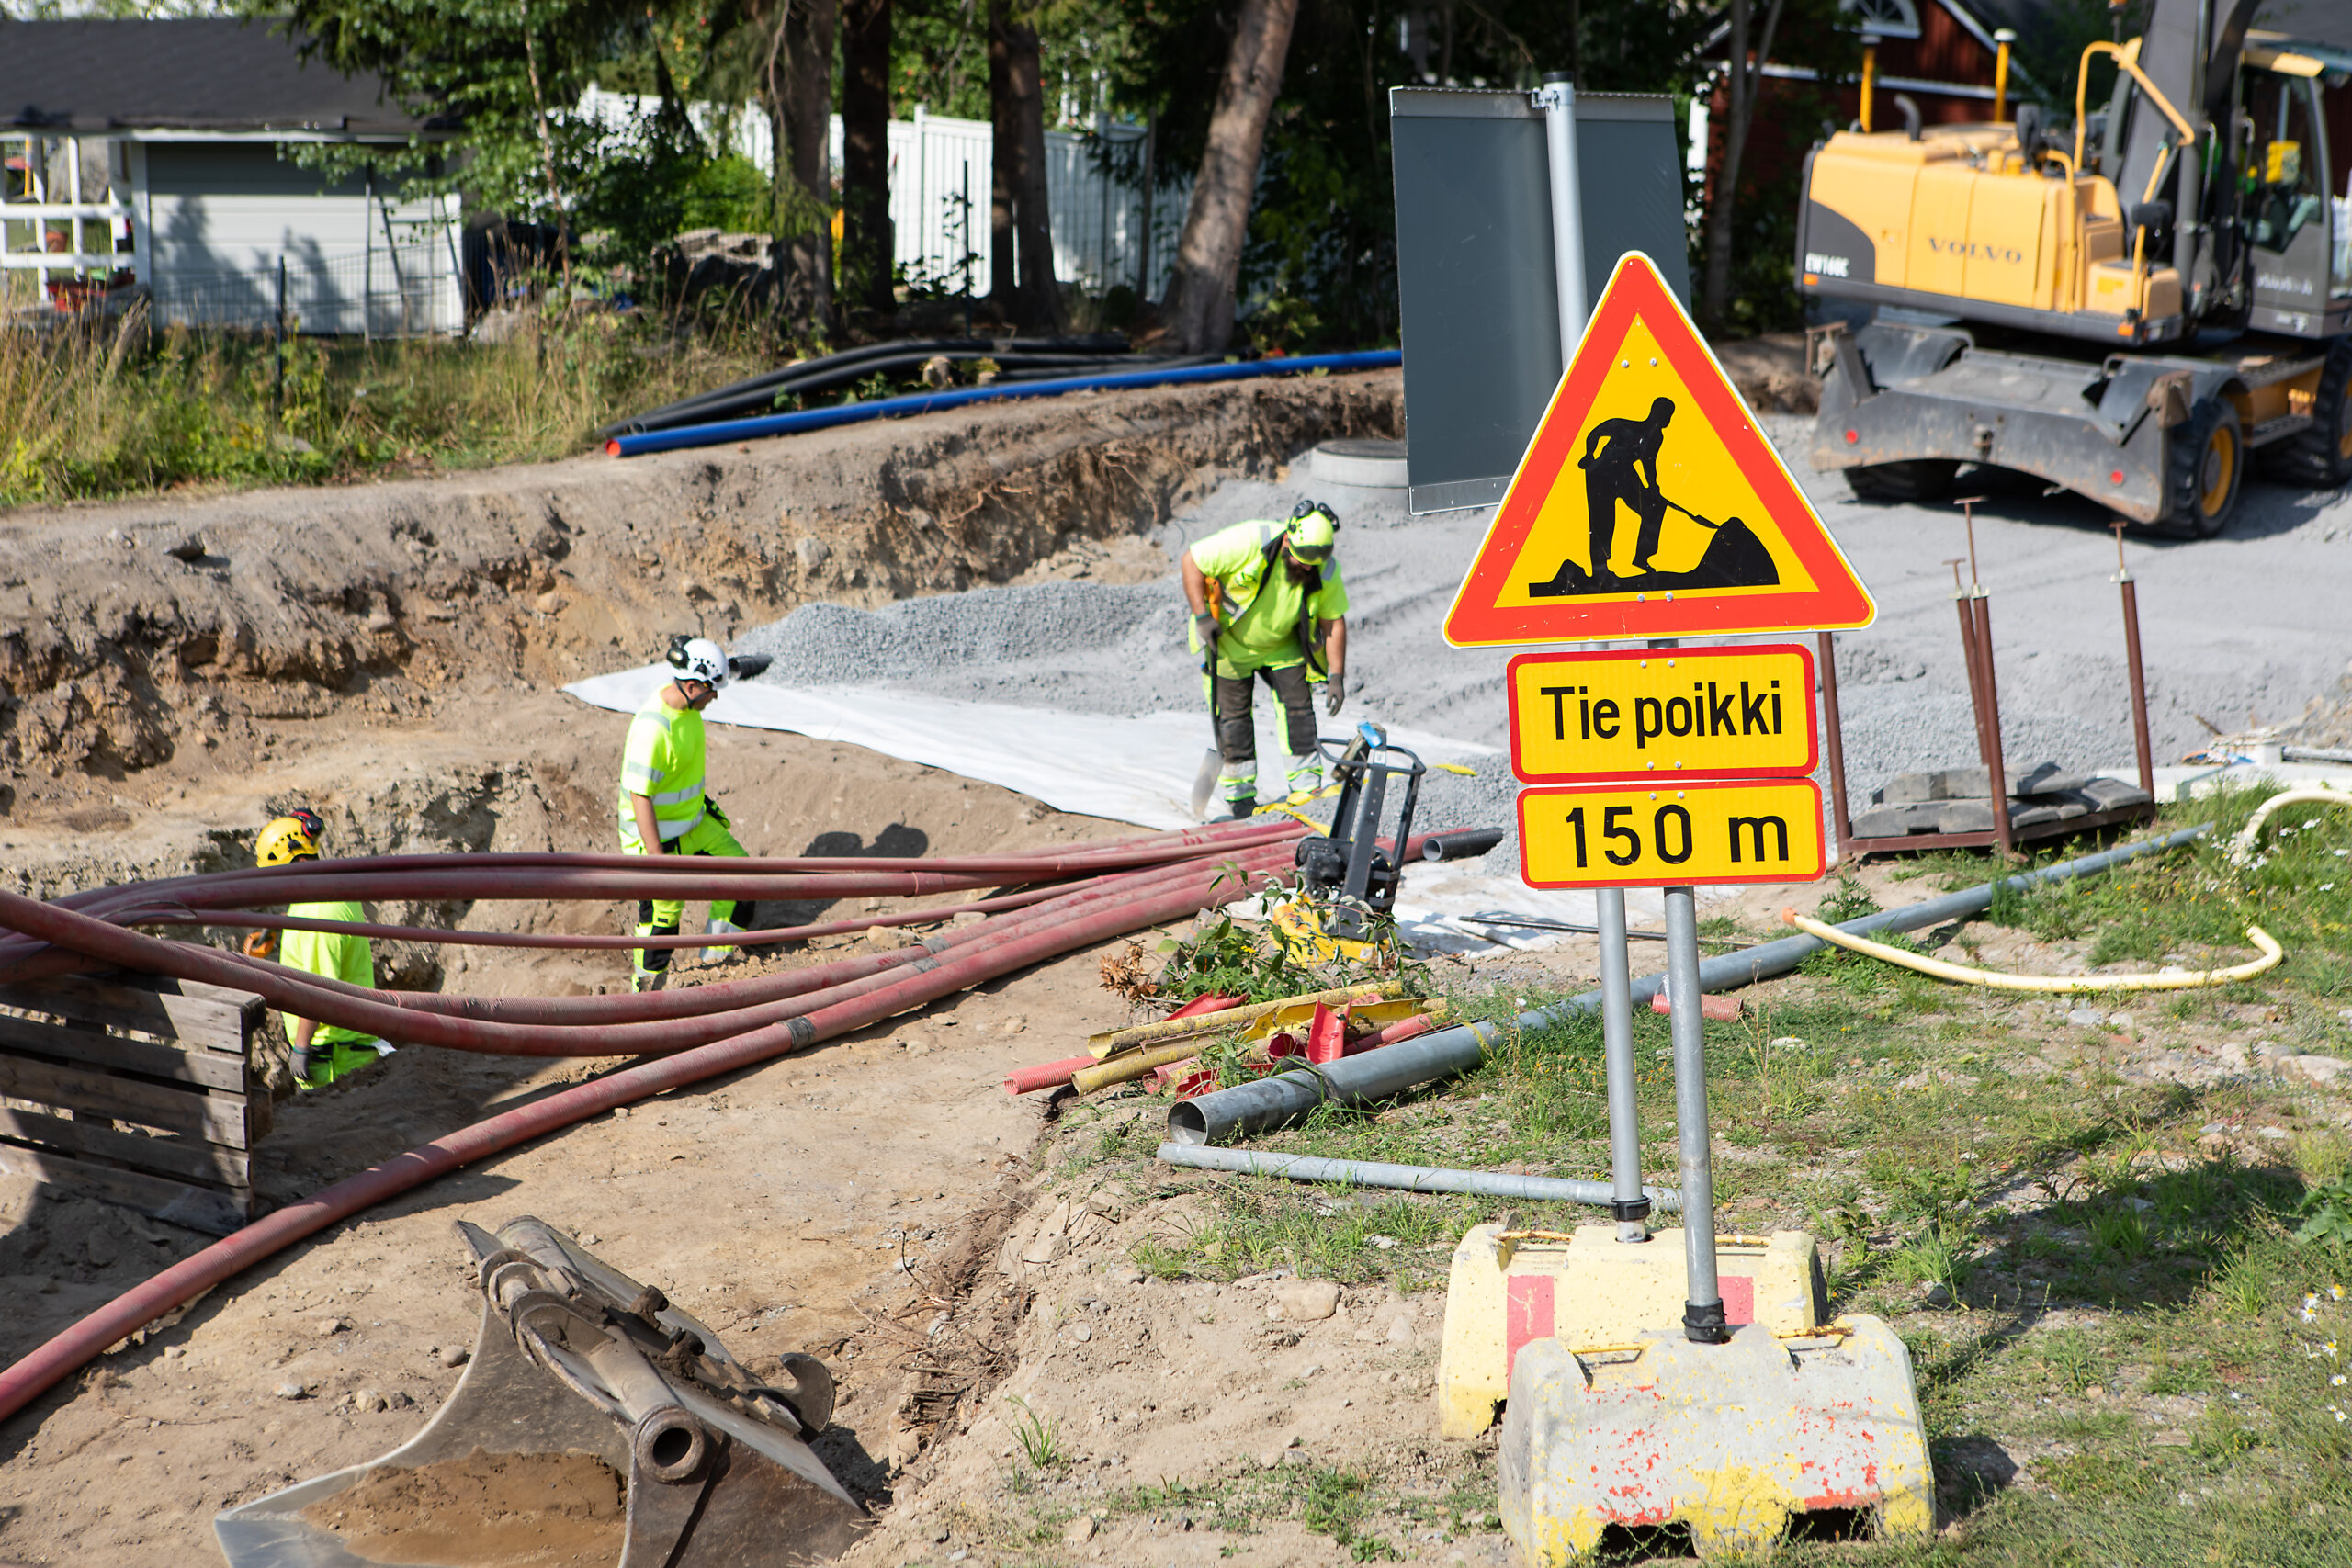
x=1136, y=769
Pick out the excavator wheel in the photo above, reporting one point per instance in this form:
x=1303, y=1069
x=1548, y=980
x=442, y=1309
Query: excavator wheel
x=2206, y=473
x=2321, y=457
x=1916, y=479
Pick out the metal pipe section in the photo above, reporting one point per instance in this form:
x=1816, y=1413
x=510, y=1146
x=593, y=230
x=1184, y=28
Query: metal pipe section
x=1702, y=1311
x=36, y=1374
x=1558, y=99
x=1405, y=1178
x=930, y=402
x=1379, y=1075
x=1617, y=1060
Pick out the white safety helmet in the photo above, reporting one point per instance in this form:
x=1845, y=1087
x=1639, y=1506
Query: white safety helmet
x=699, y=658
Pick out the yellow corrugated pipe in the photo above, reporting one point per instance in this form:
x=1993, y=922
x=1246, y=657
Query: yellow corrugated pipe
x=2272, y=955
x=2242, y=847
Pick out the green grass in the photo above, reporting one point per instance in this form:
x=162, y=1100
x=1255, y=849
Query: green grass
x=2128, y=1324
x=118, y=411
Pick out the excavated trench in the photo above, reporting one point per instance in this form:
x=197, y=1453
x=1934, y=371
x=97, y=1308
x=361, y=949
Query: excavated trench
x=171, y=672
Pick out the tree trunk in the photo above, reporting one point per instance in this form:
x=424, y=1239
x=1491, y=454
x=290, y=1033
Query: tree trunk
x=807, y=128
x=1041, y=300
x=1741, y=82
x=1198, y=311
x=1021, y=240
x=868, y=245
x=1004, y=163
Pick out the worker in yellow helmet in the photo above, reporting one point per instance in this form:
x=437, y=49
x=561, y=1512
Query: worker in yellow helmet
x=322, y=1053
x=1266, y=597
x=661, y=802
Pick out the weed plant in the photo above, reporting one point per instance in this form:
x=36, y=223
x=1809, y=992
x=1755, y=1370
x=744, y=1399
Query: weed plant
x=119, y=409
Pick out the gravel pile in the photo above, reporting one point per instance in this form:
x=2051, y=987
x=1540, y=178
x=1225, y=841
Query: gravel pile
x=1092, y=647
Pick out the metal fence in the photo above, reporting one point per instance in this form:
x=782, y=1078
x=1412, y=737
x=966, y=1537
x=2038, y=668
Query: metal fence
x=941, y=172
x=393, y=291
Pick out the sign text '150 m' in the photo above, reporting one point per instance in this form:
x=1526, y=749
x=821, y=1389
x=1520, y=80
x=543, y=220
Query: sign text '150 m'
x=1683, y=834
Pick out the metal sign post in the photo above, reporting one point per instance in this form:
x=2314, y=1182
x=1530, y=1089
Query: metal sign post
x=1627, y=1204
x=1702, y=1311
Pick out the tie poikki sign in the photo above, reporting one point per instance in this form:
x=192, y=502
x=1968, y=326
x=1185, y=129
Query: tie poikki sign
x=1698, y=713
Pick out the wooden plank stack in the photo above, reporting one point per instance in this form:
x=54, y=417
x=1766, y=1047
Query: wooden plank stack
x=136, y=1089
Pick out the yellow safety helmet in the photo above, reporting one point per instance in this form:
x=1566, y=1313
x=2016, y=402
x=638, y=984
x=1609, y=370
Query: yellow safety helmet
x=285, y=841
x=1311, y=532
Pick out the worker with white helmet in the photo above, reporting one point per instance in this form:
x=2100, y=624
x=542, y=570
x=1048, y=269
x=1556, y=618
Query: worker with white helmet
x=662, y=802
x=320, y=1052
x=1266, y=597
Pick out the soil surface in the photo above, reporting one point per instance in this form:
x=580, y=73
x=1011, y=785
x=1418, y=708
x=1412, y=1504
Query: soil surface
x=389, y=654
x=484, y=1511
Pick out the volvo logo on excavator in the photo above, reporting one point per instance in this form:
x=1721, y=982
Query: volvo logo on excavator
x=1976, y=250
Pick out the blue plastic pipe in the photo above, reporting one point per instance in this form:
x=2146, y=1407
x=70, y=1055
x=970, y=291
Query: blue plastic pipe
x=930, y=402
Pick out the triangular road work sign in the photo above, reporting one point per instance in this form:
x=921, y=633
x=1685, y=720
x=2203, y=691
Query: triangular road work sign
x=1648, y=504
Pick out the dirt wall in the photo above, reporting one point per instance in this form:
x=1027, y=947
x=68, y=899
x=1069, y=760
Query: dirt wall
x=132, y=632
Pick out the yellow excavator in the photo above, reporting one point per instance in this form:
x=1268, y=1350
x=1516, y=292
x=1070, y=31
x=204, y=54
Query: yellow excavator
x=2132, y=308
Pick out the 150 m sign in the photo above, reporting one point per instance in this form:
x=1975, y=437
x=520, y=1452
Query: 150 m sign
x=1679, y=835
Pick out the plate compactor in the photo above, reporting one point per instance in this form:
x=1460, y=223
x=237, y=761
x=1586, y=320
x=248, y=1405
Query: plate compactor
x=596, y=1423
x=1674, y=1377
x=1348, y=875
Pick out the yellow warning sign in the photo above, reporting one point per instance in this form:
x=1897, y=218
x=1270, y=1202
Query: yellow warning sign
x=1691, y=713
x=1648, y=504
x=1672, y=836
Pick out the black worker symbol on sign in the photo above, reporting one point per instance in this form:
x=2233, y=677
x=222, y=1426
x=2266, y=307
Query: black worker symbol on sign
x=1619, y=466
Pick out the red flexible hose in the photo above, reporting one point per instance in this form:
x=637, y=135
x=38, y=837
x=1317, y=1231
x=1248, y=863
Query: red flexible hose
x=303, y=995
x=35, y=1374
x=443, y=936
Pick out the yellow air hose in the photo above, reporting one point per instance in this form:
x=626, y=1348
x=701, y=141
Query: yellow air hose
x=2242, y=847
x=2272, y=955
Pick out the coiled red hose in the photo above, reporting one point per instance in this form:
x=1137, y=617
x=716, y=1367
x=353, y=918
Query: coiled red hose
x=984, y=960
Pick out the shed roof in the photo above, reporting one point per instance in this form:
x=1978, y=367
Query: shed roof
x=215, y=73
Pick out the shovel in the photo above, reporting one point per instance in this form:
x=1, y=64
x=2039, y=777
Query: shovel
x=1213, y=759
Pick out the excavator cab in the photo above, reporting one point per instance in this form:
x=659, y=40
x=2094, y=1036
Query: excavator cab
x=2135, y=307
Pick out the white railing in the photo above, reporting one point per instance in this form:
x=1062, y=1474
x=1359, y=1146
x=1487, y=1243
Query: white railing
x=28, y=214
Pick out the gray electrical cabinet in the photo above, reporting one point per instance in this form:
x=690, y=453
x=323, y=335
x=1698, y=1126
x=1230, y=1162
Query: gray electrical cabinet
x=1477, y=292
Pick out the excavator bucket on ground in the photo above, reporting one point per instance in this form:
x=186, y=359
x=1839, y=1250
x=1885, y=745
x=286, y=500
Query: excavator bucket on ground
x=596, y=1425
x=1733, y=1442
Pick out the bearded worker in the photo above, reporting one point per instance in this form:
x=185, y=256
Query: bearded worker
x=1268, y=604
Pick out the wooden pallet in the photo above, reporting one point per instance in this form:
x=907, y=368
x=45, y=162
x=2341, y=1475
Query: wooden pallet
x=135, y=1089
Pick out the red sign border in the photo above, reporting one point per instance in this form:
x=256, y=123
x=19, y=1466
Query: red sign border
x=1812, y=704
x=1838, y=601
x=1617, y=878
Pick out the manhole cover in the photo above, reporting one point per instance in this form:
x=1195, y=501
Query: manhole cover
x=1375, y=464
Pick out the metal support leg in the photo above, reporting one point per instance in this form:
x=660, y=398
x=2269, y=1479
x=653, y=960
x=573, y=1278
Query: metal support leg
x=1703, y=1311
x=1626, y=1202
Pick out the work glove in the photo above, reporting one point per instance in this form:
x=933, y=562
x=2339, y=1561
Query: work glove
x=717, y=814
x=258, y=944
x=1205, y=624
x=1335, y=694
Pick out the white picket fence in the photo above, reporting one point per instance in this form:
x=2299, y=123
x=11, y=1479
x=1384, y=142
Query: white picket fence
x=940, y=171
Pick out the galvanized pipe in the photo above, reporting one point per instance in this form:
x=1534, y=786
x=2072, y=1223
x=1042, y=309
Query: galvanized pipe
x=1702, y=1314
x=1392, y=1069
x=1618, y=1064
x=1405, y=1178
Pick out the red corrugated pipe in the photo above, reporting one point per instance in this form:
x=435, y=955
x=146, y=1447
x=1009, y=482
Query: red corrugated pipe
x=34, y=1375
